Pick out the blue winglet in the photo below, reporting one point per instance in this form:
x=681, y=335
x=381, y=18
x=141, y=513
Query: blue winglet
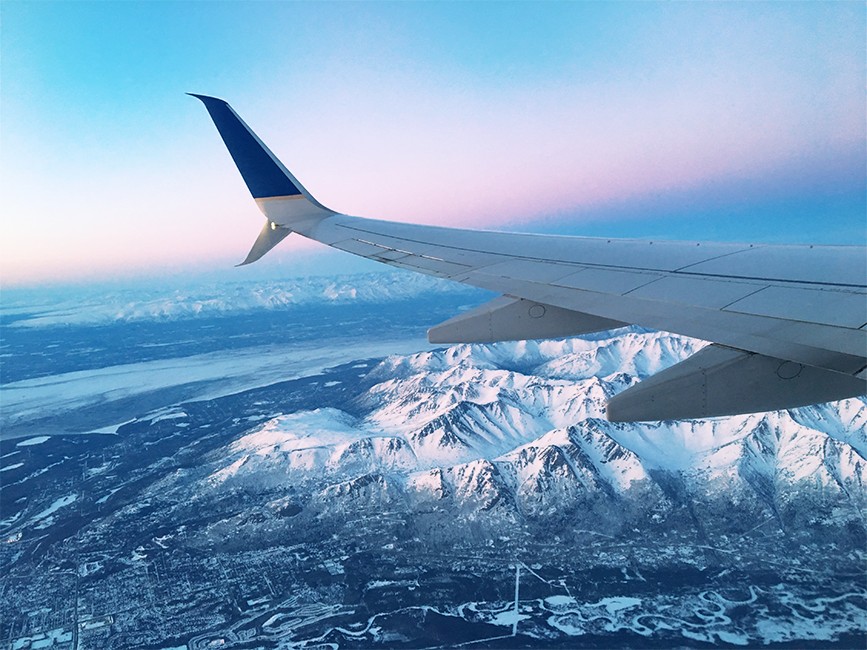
x=259, y=168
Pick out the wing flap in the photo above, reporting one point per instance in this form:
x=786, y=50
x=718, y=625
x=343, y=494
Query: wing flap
x=718, y=381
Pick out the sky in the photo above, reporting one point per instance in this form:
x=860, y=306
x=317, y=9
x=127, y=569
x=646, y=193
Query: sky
x=708, y=121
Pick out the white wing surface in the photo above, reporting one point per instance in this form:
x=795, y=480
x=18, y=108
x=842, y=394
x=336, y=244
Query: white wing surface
x=788, y=323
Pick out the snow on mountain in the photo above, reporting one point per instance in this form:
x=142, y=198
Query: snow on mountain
x=550, y=471
x=479, y=427
x=376, y=452
x=368, y=490
x=431, y=484
x=845, y=421
x=479, y=483
x=634, y=353
x=314, y=443
x=470, y=430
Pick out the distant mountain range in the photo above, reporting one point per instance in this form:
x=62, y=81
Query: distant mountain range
x=515, y=430
x=106, y=304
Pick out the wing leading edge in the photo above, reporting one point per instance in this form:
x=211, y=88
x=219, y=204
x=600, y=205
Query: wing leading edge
x=788, y=323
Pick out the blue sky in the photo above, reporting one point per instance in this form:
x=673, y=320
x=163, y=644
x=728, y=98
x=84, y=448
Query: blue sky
x=681, y=120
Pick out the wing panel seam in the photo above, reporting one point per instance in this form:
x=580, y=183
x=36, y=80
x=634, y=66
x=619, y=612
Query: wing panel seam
x=751, y=293
x=717, y=257
x=614, y=266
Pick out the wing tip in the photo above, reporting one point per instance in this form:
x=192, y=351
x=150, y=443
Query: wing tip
x=205, y=99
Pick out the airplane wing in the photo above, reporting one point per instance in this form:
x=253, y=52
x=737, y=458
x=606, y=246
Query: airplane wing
x=788, y=324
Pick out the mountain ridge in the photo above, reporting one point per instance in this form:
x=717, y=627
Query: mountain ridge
x=519, y=427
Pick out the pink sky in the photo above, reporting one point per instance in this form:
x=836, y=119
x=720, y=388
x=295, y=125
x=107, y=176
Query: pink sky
x=398, y=114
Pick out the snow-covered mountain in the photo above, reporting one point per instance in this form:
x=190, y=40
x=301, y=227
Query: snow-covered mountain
x=519, y=429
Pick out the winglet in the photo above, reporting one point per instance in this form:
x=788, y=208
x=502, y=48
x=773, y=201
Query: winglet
x=279, y=195
x=264, y=175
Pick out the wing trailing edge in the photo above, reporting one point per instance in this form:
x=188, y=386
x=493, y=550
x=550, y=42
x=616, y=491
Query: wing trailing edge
x=718, y=381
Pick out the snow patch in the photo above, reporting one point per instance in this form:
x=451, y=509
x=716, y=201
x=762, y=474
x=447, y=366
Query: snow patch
x=62, y=502
x=38, y=440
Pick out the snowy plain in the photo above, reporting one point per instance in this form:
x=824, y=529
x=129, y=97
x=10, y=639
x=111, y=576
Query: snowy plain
x=197, y=377
x=85, y=359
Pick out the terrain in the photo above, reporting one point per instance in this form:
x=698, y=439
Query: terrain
x=214, y=469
